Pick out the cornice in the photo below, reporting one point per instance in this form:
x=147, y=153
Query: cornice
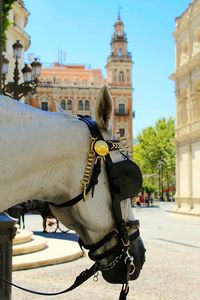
x=189, y=66
x=126, y=88
x=189, y=132
x=67, y=87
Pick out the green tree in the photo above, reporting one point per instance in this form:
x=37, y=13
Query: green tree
x=7, y=4
x=154, y=143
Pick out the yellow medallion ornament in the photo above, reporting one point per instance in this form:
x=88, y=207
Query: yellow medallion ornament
x=101, y=148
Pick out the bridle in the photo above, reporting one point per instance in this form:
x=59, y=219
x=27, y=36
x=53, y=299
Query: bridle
x=99, y=150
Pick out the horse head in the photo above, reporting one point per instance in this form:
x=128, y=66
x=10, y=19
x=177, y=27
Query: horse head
x=104, y=220
x=75, y=166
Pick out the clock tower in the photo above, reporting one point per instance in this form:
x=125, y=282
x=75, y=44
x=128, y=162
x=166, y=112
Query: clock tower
x=119, y=79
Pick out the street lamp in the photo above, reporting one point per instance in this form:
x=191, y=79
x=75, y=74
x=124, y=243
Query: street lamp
x=5, y=63
x=160, y=174
x=30, y=75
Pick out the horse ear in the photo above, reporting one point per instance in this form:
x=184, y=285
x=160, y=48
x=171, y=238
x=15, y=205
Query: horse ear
x=103, y=108
x=58, y=108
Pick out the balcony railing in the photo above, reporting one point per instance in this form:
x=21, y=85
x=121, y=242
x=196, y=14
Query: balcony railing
x=122, y=112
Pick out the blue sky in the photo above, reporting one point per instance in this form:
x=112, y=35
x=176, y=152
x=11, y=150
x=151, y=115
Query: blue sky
x=83, y=29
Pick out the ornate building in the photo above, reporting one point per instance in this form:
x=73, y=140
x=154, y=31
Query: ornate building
x=75, y=87
x=187, y=80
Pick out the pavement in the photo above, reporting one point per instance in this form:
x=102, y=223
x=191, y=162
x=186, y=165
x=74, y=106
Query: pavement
x=34, y=248
x=171, y=270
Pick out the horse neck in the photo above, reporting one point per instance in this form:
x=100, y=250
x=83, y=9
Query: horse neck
x=39, y=157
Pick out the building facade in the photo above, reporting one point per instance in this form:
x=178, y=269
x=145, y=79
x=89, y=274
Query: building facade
x=187, y=81
x=73, y=87
x=18, y=17
x=76, y=87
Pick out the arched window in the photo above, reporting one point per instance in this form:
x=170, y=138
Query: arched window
x=80, y=105
x=119, y=51
x=121, y=108
x=121, y=76
x=87, y=105
x=69, y=104
x=121, y=132
x=63, y=104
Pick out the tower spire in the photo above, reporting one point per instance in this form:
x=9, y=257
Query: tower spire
x=119, y=10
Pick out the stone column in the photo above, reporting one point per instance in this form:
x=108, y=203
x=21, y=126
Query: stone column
x=190, y=194
x=177, y=196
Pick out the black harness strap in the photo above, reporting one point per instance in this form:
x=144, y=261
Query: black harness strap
x=85, y=275
x=99, y=244
x=134, y=235
x=72, y=201
x=96, y=171
x=115, y=251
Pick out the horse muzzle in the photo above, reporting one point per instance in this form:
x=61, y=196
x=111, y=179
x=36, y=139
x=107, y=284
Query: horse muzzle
x=129, y=265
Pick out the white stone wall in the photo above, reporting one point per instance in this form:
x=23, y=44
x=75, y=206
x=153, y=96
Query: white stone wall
x=187, y=80
x=183, y=169
x=18, y=17
x=196, y=169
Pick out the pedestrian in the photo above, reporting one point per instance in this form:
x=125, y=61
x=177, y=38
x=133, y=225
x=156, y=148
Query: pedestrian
x=138, y=203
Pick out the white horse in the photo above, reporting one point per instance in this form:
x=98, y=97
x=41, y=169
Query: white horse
x=43, y=156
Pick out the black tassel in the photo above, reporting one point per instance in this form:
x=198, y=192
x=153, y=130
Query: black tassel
x=124, y=292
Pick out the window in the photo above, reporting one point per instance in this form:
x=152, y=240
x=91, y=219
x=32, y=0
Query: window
x=121, y=76
x=119, y=51
x=69, y=104
x=44, y=106
x=63, y=104
x=119, y=33
x=80, y=105
x=87, y=105
x=121, y=132
x=15, y=20
x=121, y=108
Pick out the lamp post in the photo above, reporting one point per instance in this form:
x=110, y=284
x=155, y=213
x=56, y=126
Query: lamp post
x=160, y=177
x=30, y=75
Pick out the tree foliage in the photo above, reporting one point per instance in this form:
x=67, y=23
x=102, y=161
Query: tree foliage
x=156, y=143
x=7, y=4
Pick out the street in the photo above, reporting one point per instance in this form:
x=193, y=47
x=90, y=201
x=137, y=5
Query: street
x=171, y=270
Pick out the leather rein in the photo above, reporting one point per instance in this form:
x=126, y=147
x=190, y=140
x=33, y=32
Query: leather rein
x=99, y=149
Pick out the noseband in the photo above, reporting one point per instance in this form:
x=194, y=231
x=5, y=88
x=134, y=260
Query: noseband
x=125, y=181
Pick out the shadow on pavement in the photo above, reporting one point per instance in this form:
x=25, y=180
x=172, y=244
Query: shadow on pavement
x=58, y=235
x=146, y=206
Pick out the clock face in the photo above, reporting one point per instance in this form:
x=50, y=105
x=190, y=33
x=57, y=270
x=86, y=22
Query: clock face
x=119, y=33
